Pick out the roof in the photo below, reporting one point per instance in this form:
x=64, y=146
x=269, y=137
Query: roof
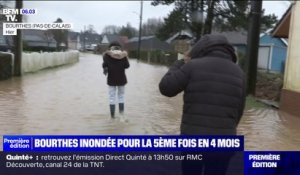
x=111, y=37
x=73, y=35
x=181, y=33
x=268, y=33
x=136, y=39
x=41, y=44
x=234, y=37
x=38, y=35
x=283, y=26
x=148, y=43
x=39, y=38
x=90, y=37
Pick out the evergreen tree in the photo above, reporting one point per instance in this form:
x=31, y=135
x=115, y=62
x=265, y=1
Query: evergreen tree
x=219, y=15
x=236, y=17
x=172, y=24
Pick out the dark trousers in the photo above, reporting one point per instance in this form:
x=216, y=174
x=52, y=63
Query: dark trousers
x=212, y=163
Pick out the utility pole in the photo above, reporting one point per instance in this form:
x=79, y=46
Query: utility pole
x=140, y=31
x=253, y=45
x=18, y=43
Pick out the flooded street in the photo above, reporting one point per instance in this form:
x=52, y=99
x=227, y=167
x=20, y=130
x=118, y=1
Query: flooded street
x=268, y=129
x=73, y=99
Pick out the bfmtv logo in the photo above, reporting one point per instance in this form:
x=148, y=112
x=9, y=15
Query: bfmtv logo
x=9, y=11
x=18, y=11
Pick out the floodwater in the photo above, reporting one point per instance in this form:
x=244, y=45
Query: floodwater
x=269, y=129
x=73, y=99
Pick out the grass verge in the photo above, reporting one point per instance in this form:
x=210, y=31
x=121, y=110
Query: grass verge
x=252, y=103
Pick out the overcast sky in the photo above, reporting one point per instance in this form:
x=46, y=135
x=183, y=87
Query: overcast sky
x=103, y=13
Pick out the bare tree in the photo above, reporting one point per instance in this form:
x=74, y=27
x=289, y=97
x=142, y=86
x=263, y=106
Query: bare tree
x=111, y=29
x=128, y=31
x=152, y=26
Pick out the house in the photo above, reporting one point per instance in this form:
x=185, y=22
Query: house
x=89, y=40
x=148, y=43
x=6, y=44
x=181, y=41
x=108, y=38
x=183, y=34
x=237, y=39
x=272, y=53
x=151, y=48
x=6, y=41
x=289, y=27
x=37, y=40
x=74, y=40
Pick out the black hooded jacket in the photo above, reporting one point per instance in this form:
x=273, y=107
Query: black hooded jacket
x=116, y=68
x=213, y=85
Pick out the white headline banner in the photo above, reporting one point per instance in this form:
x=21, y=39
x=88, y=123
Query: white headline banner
x=11, y=28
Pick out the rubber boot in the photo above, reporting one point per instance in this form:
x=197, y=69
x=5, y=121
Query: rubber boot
x=112, y=110
x=121, y=108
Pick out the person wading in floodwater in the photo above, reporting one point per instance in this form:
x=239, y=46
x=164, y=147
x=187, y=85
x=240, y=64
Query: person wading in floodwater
x=115, y=61
x=214, y=97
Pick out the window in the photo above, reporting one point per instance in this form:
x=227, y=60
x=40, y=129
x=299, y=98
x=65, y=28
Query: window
x=2, y=40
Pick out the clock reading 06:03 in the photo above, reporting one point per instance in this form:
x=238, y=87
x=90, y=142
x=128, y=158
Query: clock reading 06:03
x=28, y=11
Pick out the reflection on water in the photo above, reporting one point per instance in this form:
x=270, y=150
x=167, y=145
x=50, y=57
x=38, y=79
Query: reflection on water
x=74, y=100
x=268, y=129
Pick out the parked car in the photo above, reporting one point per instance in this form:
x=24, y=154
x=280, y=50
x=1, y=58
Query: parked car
x=91, y=47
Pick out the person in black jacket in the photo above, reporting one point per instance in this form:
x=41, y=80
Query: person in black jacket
x=115, y=61
x=214, y=92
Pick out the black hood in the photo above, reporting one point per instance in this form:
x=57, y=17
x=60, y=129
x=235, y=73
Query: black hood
x=211, y=43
